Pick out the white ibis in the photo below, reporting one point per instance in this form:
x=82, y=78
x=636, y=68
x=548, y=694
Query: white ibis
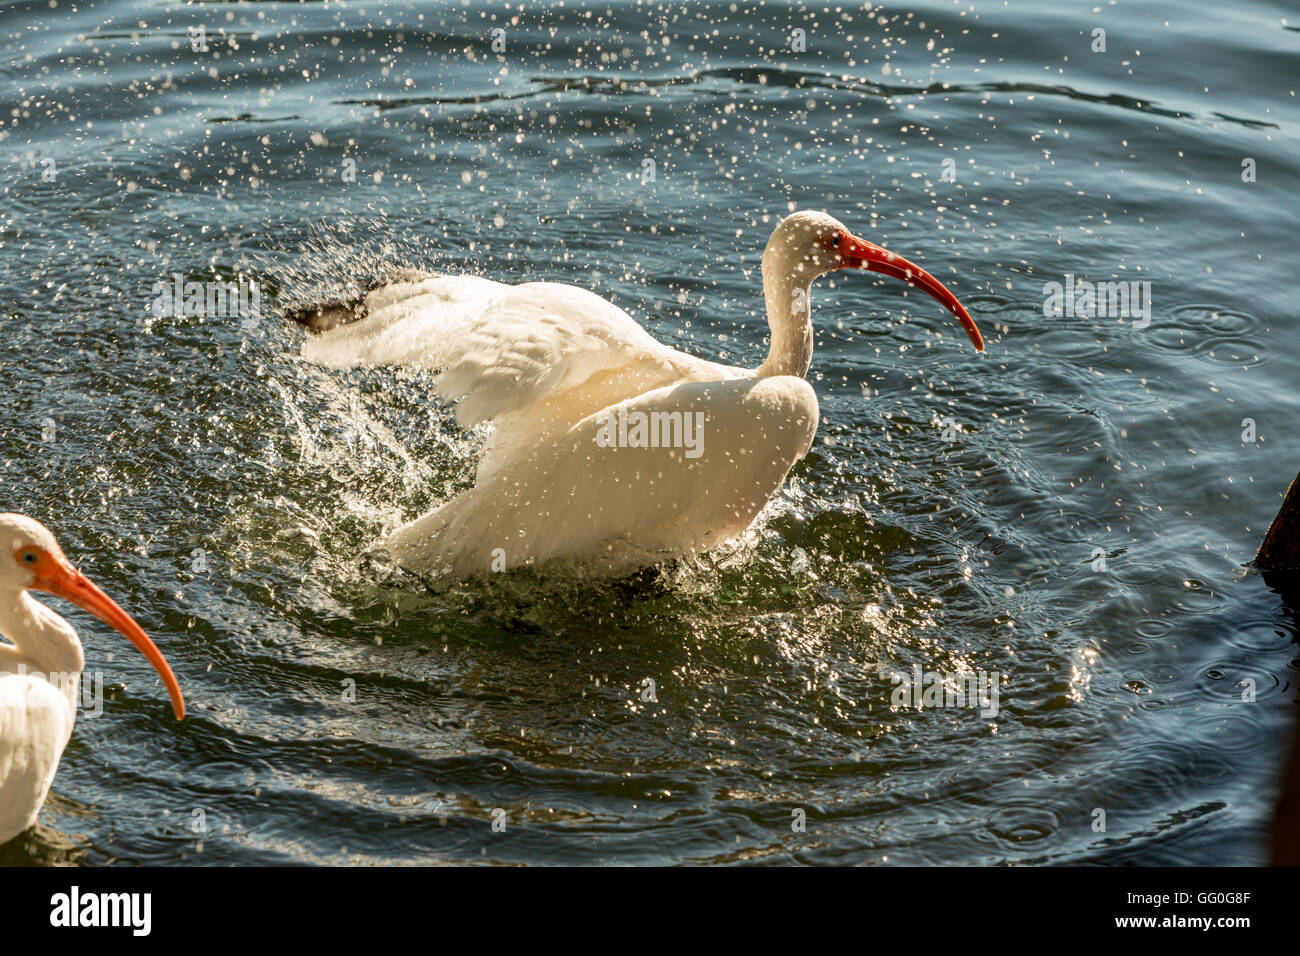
x=41, y=666
x=609, y=449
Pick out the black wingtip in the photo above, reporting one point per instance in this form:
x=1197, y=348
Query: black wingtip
x=324, y=316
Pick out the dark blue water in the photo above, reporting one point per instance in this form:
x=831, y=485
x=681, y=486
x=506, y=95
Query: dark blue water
x=1073, y=511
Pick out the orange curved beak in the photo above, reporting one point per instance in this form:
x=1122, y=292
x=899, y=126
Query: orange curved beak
x=58, y=577
x=860, y=254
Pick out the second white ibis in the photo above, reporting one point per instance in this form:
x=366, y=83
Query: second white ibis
x=40, y=667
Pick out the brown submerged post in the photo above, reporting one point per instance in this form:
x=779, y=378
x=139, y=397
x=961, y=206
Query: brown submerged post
x=1280, y=553
x=1281, y=548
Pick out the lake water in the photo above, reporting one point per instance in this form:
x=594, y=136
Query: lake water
x=1072, y=512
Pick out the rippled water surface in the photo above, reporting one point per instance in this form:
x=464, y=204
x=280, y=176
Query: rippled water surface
x=1073, y=510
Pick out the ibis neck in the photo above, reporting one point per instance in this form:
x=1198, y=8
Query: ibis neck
x=789, y=316
x=41, y=639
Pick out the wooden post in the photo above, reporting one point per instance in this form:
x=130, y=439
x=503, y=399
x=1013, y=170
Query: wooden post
x=1279, y=559
x=1281, y=548
x=1286, y=819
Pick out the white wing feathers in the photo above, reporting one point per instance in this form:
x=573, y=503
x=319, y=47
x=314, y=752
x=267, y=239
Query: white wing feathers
x=535, y=348
x=503, y=349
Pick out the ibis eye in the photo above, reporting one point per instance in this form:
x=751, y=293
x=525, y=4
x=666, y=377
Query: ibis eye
x=836, y=240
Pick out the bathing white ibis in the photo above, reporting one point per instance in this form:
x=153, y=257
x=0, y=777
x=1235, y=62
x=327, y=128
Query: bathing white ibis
x=609, y=448
x=41, y=666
